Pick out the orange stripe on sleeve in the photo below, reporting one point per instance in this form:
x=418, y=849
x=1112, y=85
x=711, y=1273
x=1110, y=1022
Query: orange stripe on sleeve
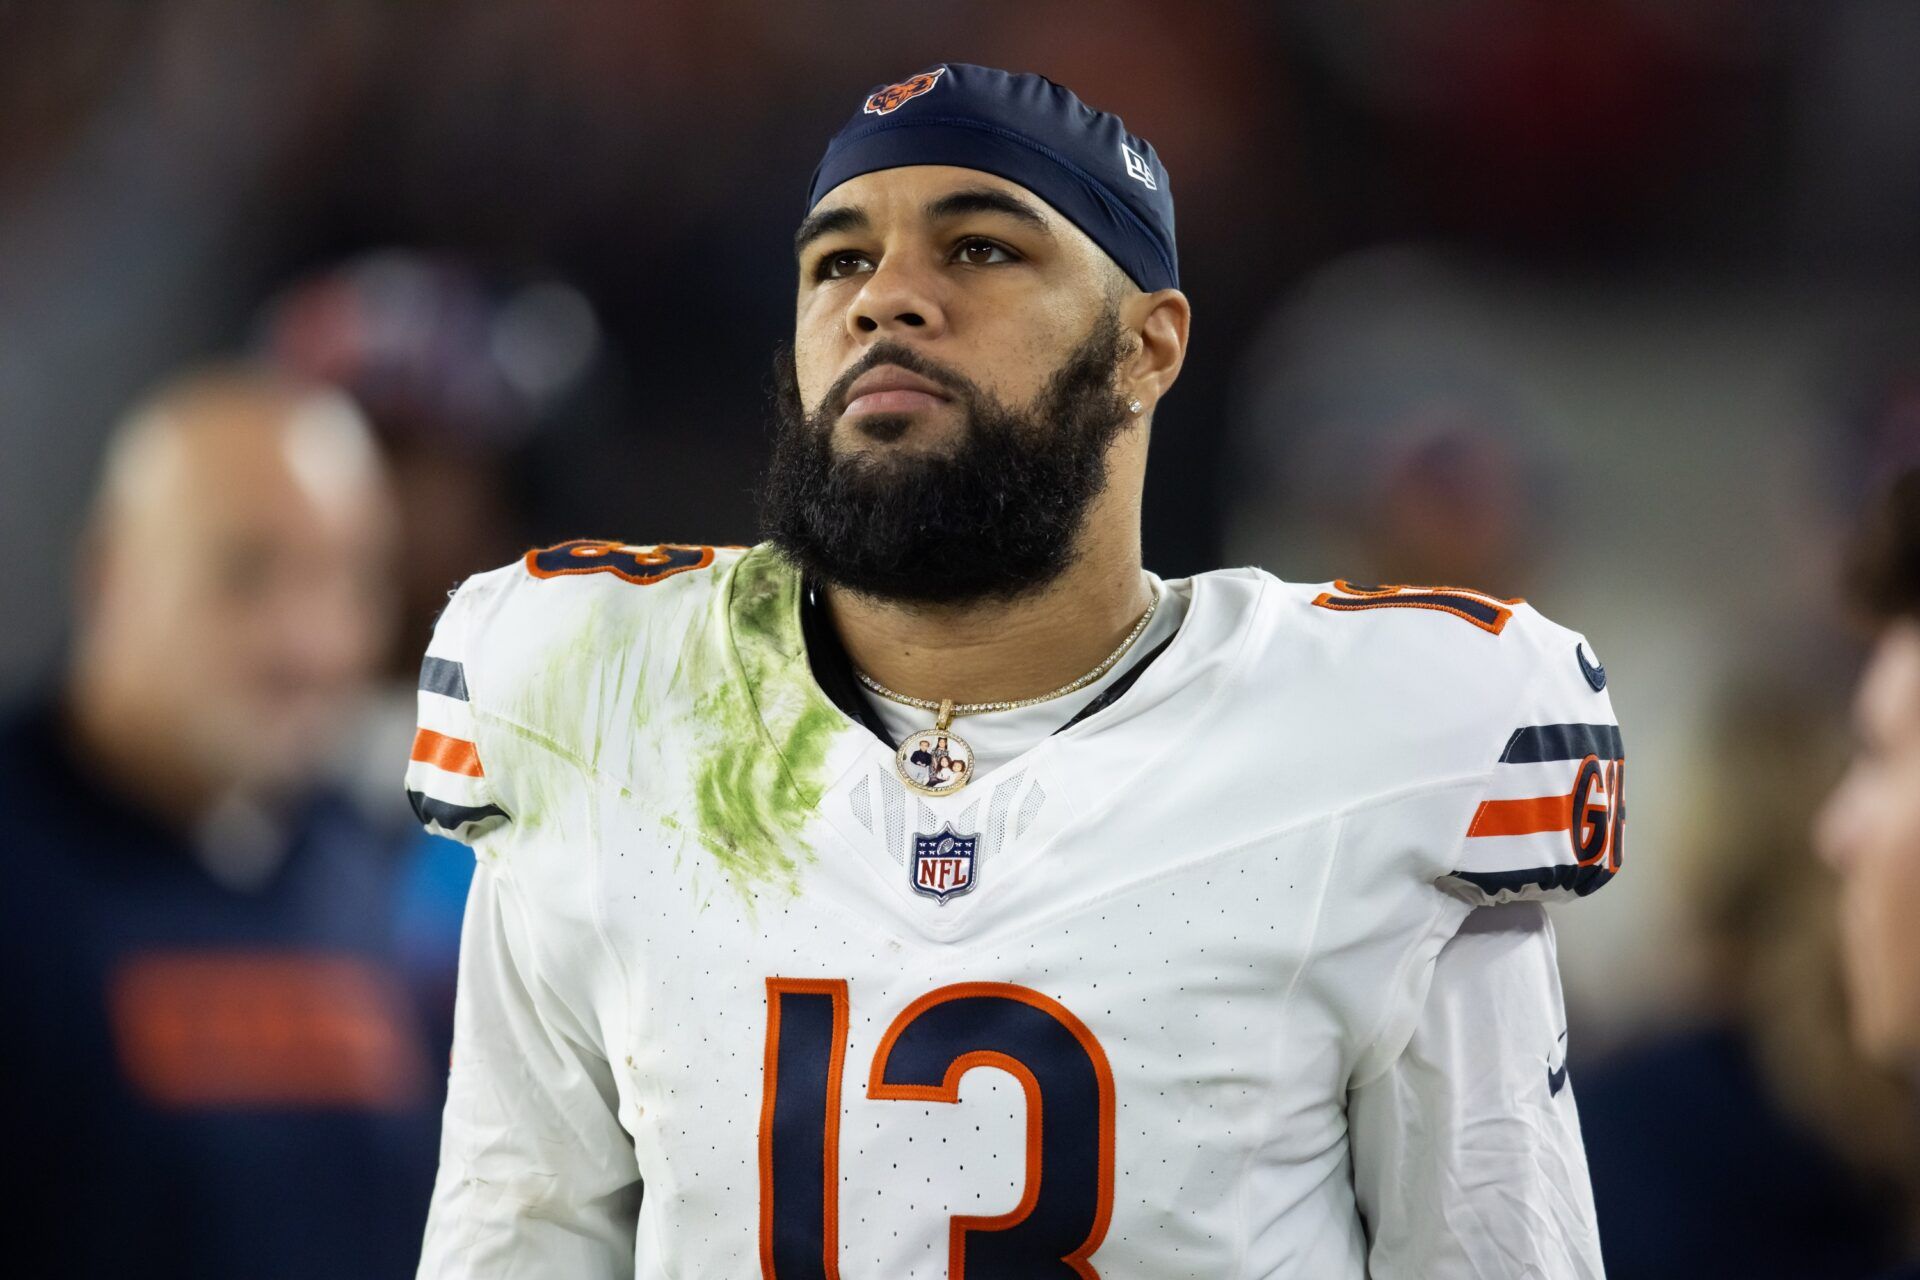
x=1522, y=817
x=455, y=755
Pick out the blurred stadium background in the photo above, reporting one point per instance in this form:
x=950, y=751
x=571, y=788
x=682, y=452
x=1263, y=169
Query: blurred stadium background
x=1614, y=305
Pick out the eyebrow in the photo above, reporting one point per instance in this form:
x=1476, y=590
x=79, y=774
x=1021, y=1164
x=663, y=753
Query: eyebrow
x=827, y=222
x=843, y=218
x=988, y=200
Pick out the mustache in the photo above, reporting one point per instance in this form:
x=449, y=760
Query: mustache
x=955, y=383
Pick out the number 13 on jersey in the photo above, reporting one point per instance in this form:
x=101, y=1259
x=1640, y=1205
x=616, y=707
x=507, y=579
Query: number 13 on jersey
x=1068, y=1198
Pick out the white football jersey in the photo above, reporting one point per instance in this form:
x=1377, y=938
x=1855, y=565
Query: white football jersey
x=734, y=1001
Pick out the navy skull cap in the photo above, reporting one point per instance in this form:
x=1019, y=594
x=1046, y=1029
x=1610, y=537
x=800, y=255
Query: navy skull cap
x=1028, y=130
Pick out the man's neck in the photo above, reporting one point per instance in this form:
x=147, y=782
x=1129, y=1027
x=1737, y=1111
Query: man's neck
x=999, y=650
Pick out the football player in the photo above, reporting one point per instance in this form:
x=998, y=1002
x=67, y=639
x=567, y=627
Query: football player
x=1213, y=947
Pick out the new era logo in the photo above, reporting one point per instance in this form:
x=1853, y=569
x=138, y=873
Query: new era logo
x=1138, y=168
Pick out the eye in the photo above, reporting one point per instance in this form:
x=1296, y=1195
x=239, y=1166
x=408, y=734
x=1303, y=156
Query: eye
x=838, y=266
x=976, y=252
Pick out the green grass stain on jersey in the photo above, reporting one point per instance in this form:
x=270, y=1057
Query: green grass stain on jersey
x=749, y=813
x=577, y=707
x=639, y=688
x=592, y=690
x=763, y=741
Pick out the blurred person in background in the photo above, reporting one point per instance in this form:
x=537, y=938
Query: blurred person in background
x=1382, y=430
x=1751, y=1139
x=1869, y=831
x=457, y=370
x=212, y=1068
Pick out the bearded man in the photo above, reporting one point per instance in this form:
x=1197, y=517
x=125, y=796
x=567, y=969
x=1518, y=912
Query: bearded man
x=1216, y=947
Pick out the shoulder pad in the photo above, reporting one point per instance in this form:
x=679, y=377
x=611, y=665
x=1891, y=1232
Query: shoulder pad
x=1498, y=689
x=571, y=647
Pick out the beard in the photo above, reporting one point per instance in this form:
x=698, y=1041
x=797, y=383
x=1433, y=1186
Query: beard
x=996, y=516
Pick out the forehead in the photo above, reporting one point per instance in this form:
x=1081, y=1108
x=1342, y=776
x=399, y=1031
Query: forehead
x=912, y=194
x=257, y=466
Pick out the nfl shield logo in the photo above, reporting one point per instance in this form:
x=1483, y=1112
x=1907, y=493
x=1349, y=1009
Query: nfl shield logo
x=943, y=864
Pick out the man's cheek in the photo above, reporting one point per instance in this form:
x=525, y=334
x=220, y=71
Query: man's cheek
x=812, y=390
x=811, y=370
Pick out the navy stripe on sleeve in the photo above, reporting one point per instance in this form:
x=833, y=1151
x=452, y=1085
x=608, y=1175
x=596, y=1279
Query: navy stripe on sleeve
x=450, y=817
x=1488, y=615
x=1581, y=880
x=443, y=676
x=1539, y=742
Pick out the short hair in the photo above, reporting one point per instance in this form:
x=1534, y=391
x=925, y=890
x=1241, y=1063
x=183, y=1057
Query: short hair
x=1883, y=566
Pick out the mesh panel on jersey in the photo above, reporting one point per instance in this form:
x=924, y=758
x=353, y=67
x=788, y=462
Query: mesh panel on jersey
x=861, y=798
x=893, y=795
x=1030, y=809
x=998, y=808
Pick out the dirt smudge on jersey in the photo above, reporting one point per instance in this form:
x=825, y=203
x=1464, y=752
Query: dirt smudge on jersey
x=763, y=741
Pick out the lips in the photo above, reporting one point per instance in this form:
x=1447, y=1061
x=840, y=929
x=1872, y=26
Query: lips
x=888, y=388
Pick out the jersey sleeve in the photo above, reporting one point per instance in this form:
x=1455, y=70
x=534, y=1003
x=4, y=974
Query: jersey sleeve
x=1552, y=821
x=447, y=782
x=537, y=1175
x=1467, y=1156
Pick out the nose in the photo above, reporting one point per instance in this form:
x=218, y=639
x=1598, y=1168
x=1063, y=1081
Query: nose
x=898, y=298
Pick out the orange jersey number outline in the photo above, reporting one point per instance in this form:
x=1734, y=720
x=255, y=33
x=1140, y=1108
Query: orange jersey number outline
x=1489, y=613
x=641, y=565
x=1067, y=1201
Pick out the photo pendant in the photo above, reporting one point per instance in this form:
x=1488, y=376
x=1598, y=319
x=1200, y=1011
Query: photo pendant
x=935, y=762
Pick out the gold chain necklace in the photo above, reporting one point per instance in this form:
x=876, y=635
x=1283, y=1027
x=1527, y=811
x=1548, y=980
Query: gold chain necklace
x=939, y=762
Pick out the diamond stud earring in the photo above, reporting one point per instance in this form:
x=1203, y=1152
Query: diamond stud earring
x=1134, y=405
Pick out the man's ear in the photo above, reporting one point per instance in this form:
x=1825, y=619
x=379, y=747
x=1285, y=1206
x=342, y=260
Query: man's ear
x=1159, y=321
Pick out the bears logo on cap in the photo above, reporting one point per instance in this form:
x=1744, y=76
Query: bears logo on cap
x=891, y=98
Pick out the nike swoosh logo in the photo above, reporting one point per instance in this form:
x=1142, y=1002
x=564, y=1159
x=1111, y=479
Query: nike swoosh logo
x=1595, y=673
x=1557, y=1080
